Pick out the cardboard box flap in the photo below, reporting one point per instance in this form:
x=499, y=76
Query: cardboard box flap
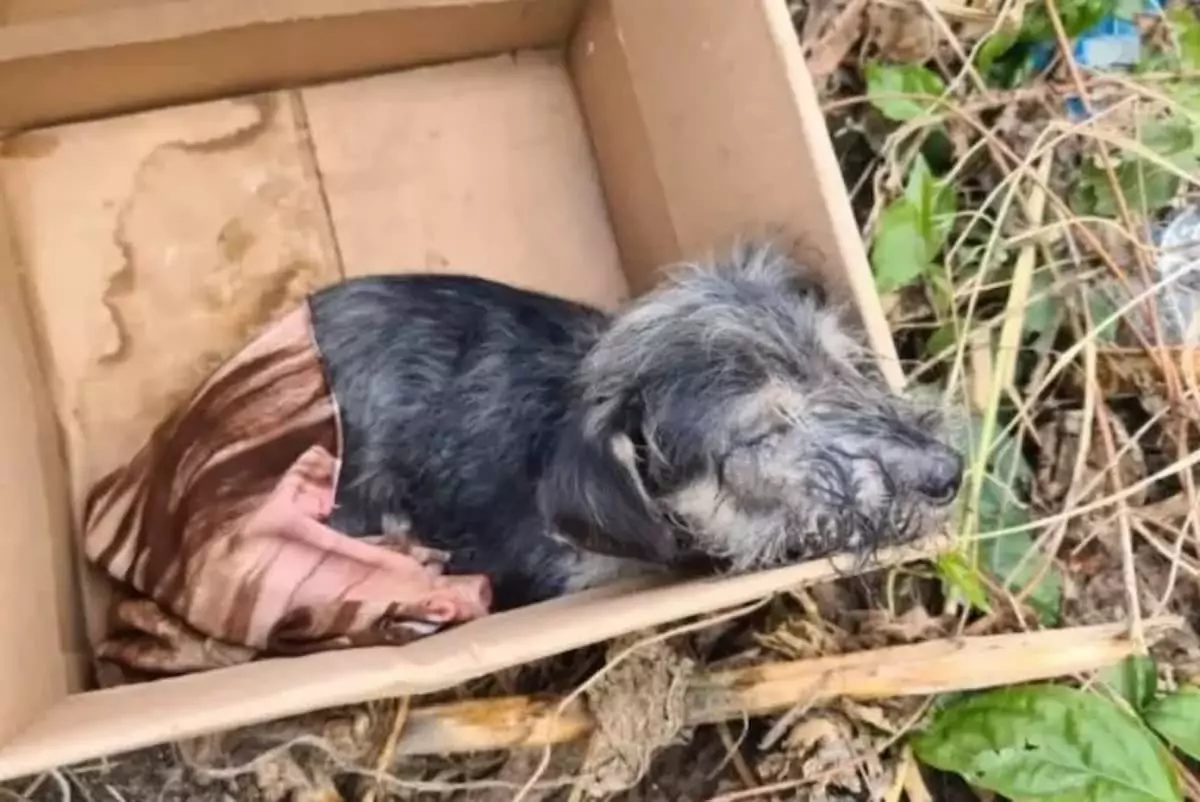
x=98, y=27
x=41, y=623
x=105, y=722
x=690, y=157
x=129, y=58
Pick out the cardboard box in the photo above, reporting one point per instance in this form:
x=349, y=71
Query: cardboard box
x=180, y=172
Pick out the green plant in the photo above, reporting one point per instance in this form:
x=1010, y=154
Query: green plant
x=910, y=235
x=1053, y=742
x=1049, y=742
x=912, y=230
x=1005, y=557
x=1122, y=741
x=902, y=92
x=1134, y=679
x=1145, y=184
x=1006, y=56
x=1184, y=51
x=1101, y=306
x=1175, y=716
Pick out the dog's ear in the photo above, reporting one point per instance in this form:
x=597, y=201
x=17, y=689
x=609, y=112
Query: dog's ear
x=592, y=494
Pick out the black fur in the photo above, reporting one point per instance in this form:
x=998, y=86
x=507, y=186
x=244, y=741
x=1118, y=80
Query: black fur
x=453, y=392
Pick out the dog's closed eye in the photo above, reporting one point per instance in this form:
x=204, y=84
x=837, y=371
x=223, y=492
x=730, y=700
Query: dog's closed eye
x=759, y=437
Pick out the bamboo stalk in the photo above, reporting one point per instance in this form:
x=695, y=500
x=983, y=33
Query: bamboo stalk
x=952, y=664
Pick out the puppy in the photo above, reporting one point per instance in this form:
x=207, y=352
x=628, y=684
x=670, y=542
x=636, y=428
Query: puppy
x=724, y=421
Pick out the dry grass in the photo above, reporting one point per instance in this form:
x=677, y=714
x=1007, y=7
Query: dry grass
x=780, y=700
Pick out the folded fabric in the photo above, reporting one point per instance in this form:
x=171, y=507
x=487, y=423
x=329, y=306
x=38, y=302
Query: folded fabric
x=215, y=532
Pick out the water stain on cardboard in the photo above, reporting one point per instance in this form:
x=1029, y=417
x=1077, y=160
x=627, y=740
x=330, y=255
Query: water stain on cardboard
x=235, y=240
x=217, y=238
x=123, y=281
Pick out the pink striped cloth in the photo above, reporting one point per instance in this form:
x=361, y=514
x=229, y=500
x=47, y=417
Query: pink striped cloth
x=215, y=530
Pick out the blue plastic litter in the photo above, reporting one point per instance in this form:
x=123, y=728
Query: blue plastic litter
x=1112, y=43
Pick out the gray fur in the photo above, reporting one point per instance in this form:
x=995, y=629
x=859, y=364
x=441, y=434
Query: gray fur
x=769, y=433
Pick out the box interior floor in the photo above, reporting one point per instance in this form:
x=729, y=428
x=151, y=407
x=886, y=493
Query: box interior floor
x=154, y=225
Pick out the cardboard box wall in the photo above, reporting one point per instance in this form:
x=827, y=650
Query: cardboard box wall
x=248, y=152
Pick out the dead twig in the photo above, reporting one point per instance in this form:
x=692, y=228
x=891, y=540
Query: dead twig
x=827, y=52
x=1145, y=268
x=388, y=752
x=940, y=666
x=744, y=772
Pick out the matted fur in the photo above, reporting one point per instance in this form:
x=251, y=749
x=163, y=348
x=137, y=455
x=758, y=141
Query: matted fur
x=727, y=420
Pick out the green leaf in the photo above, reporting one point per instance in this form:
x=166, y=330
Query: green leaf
x=996, y=46
x=1173, y=138
x=912, y=229
x=1048, y=742
x=956, y=571
x=1077, y=16
x=1176, y=718
x=1005, y=55
x=1004, y=458
x=1134, y=679
x=1186, y=94
x=999, y=556
x=1092, y=194
x=1004, y=557
x=1186, y=28
x=898, y=253
x=1000, y=508
x=944, y=337
x=1144, y=184
x=1101, y=306
x=935, y=202
x=1041, y=313
x=886, y=82
x=920, y=185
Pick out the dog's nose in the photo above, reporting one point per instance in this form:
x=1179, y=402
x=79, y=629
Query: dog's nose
x=942, y=477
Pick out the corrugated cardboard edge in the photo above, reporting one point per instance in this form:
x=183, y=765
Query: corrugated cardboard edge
x=39, y=520
x=103, y=722
x=130, y=59
x=831, y=186
x=177, y=20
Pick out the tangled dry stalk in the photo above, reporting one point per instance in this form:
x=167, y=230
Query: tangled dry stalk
x=1022, y=282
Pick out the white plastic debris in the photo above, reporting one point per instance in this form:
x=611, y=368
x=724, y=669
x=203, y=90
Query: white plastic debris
x=1179, y=301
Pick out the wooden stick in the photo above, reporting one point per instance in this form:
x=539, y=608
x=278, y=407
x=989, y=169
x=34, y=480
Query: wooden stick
x=952, y=664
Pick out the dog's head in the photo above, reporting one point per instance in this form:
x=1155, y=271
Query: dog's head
x=730, y=413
